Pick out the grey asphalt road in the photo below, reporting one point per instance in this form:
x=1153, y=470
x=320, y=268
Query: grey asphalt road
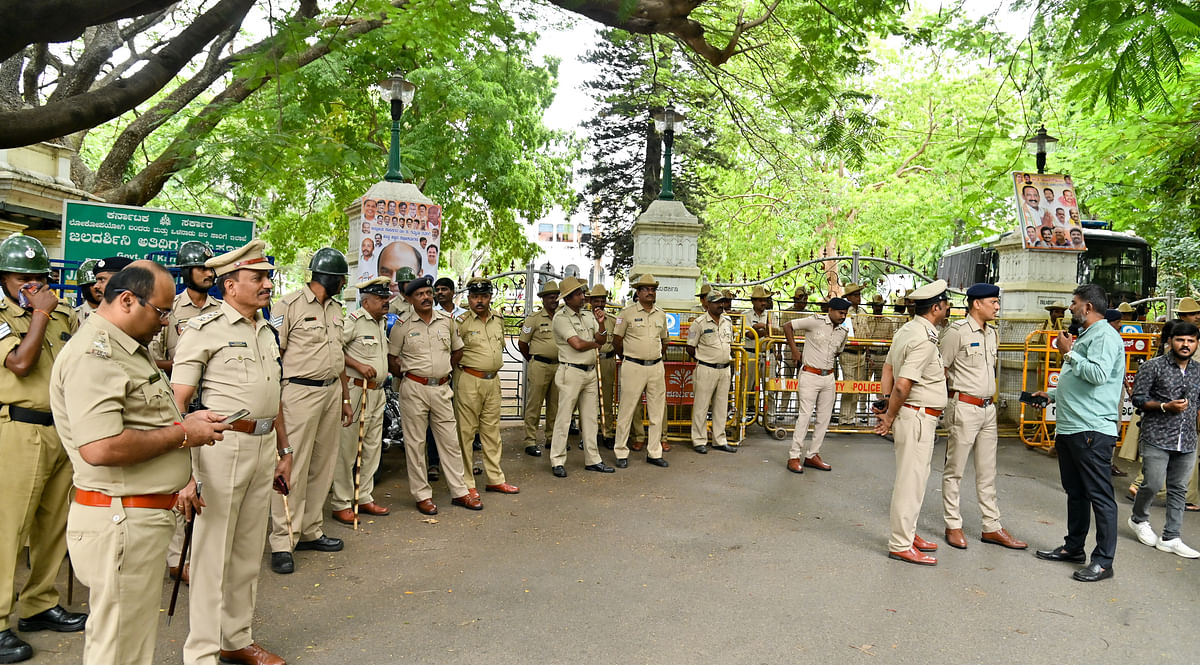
x=719, y=559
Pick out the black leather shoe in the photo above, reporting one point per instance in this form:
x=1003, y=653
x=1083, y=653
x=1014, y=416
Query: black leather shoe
x=559, y=471
x=622, y=463
x=725, y=448
x=322, y=544
x=608, y=442
x=434, y=474
x=657, y=461
x=573, y=429
x=1093, y=572
x=476, y=444
x=282, y=563
x=1060, y=553
x=56, y=619
x=702, y=449
x=13, y=649
x=533, y=451
x=600, y=467
x=580, y=444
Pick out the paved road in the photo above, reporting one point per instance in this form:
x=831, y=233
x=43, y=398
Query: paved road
x=719, y=559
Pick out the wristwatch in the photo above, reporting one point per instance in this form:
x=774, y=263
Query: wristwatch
x=286, y=451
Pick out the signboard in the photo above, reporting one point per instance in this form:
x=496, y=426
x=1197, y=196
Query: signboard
x=1047, y=212
x=672, y=324
x=680, y=389
x=96, y=230
x=1130, y=329
x=398, y=234
x=851, y=387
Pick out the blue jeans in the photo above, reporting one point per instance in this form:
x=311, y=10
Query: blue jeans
x=1176, y=469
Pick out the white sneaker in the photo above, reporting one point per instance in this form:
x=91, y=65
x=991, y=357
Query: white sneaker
x=1176, y=546
x=1144, y=532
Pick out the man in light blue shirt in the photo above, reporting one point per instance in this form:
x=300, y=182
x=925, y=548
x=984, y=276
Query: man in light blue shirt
x=1088, y=401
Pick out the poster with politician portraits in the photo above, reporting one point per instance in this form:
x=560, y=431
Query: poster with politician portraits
x=396, y=234
x=1047, y=212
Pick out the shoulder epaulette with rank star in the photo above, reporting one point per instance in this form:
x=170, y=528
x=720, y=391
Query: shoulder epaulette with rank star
x=358, y=313
x=198, y=322
x=461, y=317
x=100, y=345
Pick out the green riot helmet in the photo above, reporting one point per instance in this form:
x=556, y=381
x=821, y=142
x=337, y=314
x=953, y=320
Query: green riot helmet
x=85, y=274
x=193, y=254
x=25, y=255
x=329, y=261
x=405, y=274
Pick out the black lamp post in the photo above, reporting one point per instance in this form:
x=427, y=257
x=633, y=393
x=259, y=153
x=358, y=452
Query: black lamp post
x=399, y=92
x=667, y=122
x=1041, y=144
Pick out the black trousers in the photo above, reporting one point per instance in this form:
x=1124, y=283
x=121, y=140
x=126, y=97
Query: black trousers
x=1084, y=464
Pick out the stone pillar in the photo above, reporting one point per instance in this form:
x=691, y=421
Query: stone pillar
x=664, y=245
x=1031, y=279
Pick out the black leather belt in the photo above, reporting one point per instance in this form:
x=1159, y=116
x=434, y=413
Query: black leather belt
x=714, y=365
x=544, y=359
x=584, y=368
x=639, y=361
x=32, y=416
x=312, y=383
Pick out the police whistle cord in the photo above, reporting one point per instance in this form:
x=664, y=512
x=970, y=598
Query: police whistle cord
x=362, y=420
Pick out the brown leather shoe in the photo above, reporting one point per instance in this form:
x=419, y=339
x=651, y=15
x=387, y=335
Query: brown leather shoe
x=637, y=445
x=467, y=501
x=173, y=571
x=503, y=488
x=956, y=539
x=426, y=507
x=795, y=465
x=666, y=446
x=373, y=508
x=923, y=545
x=251, y=655
x=1003, y=538
x=473, y=493
x=345, y=516
x=815, y=462
x=911, y=555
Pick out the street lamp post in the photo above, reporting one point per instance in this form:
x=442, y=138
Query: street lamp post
x=399, y=92
x=1041, y=144
x=667, y=122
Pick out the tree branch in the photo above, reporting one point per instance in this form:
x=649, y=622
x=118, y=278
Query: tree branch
x=23, y=23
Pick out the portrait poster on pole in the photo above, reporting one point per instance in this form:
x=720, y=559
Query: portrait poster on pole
x=398, y=234
x=1047, y=212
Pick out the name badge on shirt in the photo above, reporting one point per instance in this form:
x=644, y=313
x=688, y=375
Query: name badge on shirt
x=155, y=377
x=310, y=318
x=240, y=345
x=974, y=343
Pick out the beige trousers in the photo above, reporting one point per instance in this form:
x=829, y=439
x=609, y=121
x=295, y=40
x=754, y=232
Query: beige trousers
x=972, y=428
x=313, y=416
x=118, y=554
x=477, y=408
x=425, y=407
x=341, y=495
x=710, y=387
x=636, y=379
x=541, y=391
x=914, y=433
x=608, y=377
x=853, y=369
x=818, y=391
x=576, y=388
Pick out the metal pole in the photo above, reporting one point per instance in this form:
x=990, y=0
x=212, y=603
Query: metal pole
x=854, y=267
x=668, y=191
x=393, y=172
x=1170, y=305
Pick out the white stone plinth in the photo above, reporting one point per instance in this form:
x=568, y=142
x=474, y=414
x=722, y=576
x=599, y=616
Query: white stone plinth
x=1030, y=279
x=664, y=244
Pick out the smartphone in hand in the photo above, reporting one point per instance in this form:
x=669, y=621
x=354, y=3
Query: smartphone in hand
x=236, y=416
x=281, y=485
x=1034, y=400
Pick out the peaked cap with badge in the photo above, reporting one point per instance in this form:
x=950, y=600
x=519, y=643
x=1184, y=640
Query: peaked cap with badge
x=378, y=286
x=248, y=257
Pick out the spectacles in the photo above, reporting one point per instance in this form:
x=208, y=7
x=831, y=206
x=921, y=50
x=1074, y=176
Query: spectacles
x=162, y=313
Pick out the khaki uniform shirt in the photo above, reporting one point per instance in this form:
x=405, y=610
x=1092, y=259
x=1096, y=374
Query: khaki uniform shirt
x=482, y=341
x=711, y=338
x=365, y=340
x=609, y=325
x=424, y=348
x=643, y=332
x=314, y=333
x=914, y=356
x=823, y=341
x=400, y=305
x=969, y=353
x=105, y=384
x=163, y=346
x=568, y=324
x=538, y=333
x=233, y=360
x=82, y=312
x=31, y=391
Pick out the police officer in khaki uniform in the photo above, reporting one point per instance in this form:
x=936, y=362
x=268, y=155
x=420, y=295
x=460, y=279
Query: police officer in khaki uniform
x=230, y=355
x=536, y=344
x=34, y=327
x=916, y=399
x=824, y=338
x=86, y=279
x=969, y=350
x=192, y=301
x=364, y=343
x=709, y=339
x=578, y=334
x=480, y=329
x=309, y=322
x=128, y=445
x=640, y=338
x=598, y=298
x=419, y=351
x=851, y=359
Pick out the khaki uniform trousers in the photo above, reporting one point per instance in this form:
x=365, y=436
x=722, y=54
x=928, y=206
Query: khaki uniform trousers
x=972, y=428
x=813, y=390
x=34, y=497
x=853, y=369
x=477, y=407
x=914, y=433
x=710, y=386
x=541, y=391
x=313, y=417
x=429, y=407
x=341, y=495
x=608, y=378
x=228, y=540
x=576, y=388
x=118, y=554
x=635, y=379
x=175, y=548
